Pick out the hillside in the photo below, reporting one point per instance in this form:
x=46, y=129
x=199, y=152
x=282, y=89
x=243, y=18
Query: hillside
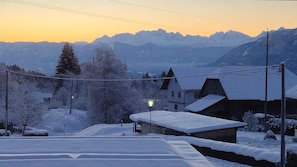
x=154, y=58
x=282, y=48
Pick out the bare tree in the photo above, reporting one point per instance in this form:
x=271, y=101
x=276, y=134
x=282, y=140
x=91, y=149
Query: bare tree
x=109, y=101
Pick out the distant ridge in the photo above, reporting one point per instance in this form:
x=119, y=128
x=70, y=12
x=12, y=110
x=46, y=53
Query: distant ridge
x=282, y=48
x=162, y=38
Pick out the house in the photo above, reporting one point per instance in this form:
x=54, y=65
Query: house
x=183, y=85
x=231, y=91
x=187, y=124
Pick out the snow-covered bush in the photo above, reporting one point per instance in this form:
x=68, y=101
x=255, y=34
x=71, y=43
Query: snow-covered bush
x=80, y=103
x=61, y=98
x=251, y=121
x=3, y=133
x=276, y=123
x=31, y=131
x=269, y=135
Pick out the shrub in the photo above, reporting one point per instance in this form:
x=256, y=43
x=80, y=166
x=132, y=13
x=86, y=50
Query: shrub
x=251, y=121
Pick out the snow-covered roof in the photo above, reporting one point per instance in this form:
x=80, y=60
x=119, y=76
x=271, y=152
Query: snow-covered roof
x=262, y=115
x=184, y=121
x=292, y=93
x=189, y=78
x=248, y=82
x=102, y=151
x=204, y=102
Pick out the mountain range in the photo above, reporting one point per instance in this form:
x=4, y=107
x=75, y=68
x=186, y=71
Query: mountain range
x=156, y=51
x=282, y=47
x=162, y=38
x=145, y=51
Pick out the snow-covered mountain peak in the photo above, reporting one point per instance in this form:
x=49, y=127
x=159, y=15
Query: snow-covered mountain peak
x=229, y=34
x=163, y=38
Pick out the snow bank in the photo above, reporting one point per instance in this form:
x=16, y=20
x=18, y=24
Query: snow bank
x=59, y=122
x=107, y=130
x=256, y=153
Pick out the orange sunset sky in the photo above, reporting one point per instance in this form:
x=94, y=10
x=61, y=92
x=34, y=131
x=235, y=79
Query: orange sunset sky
x=86, y=20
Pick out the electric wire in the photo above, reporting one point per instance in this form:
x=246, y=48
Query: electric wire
x=74, y=78
x=91, y=14
x=178, y=13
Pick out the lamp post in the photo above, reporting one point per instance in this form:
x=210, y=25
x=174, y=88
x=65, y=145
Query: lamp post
x=71, y=95
x=71, y=99
x=150, y=103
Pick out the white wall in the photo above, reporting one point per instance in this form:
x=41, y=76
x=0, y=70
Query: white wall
x=186, y=97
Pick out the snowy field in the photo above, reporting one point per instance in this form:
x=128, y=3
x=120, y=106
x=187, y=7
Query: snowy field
x=58, y=122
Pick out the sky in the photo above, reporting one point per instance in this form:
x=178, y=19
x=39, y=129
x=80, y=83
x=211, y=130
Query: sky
x=86, y=20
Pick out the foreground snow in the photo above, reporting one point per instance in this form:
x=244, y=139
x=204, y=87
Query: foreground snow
x=92, y=151
x=60, y=123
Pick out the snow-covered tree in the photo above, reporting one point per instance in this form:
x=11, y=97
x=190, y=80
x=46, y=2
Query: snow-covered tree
x=111, y=99
x=251, y=121
x=24, y=107
x=150, y=86
x=67, y=65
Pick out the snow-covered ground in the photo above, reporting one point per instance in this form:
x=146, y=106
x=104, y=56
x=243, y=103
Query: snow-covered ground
x=59, y=122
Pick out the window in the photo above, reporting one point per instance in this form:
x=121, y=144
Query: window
x=179, y=94
x=196, y=94
x=175, y=106
x=172, y=93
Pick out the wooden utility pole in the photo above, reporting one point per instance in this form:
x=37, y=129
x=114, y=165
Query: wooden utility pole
x=266, y=84
x=283, y=115
x=6, y=102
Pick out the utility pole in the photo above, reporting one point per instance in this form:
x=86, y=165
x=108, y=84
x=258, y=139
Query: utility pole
x=266, y=84
x=283, y=115
x=104, y=101
x=71, y=95
x=6, y=102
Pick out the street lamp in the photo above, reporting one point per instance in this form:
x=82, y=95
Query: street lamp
x=71, y=99
x=71, y=95
x=150, y=104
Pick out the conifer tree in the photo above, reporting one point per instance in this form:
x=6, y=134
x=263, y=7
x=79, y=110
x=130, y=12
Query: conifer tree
x=67, y=65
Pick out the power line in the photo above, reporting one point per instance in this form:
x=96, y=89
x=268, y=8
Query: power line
x=159, y=9
x=72, y=78
x=90, y=14
x=177, y=12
